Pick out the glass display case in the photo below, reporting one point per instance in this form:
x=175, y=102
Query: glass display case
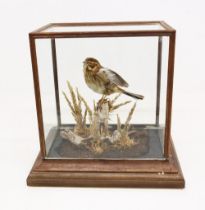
x=104, y=97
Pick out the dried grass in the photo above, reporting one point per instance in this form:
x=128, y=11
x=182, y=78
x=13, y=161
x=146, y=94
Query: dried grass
x=127, y=122
x=118, y=123
x=114, y=106
x=96, y=147
x=81, y=110
x=125, y=141
x=87, y=107
x=115, y=98
x=75, y=104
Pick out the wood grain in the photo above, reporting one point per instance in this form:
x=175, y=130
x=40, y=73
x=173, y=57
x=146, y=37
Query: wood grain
x=140, y=174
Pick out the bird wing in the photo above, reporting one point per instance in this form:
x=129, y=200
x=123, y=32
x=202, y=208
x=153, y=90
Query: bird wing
x=113, y=77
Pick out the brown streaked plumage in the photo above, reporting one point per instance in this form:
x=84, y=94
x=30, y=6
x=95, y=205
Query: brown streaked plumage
x=104, y=81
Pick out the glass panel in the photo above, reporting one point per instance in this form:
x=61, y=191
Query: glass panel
x=105, y=28
x=163, y=86
x=136, y=59
x=46, y=80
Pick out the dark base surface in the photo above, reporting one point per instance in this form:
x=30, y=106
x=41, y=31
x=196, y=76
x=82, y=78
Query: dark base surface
x=148, y=145
x=108, y=173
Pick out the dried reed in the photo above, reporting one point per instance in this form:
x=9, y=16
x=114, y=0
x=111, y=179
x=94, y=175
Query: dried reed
x=125, y=141
x=75, y=104
x=97, y=117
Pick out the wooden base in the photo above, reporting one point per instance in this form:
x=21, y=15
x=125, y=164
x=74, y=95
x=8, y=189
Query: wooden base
x=108, y=173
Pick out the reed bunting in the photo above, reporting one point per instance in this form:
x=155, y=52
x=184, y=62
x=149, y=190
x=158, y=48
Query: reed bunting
x=103, y=80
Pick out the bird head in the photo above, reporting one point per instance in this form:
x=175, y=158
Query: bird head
x=92, y=64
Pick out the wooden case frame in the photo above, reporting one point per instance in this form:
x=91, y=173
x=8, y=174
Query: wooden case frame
x=116, y=173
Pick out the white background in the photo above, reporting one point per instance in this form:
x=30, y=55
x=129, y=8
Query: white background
x=19, y=136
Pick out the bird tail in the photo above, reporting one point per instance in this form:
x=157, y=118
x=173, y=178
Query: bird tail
x=133, y=95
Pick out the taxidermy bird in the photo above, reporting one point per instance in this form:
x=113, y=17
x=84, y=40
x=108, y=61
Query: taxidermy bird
x=103, y=80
